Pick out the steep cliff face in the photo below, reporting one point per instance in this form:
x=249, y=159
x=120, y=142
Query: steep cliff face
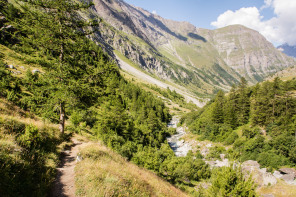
x=198, y=59
x=248, y=52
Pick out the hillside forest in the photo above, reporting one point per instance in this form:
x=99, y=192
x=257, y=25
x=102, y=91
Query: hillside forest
x=70, y=85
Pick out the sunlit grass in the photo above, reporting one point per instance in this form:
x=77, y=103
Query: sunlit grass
x=105, y=173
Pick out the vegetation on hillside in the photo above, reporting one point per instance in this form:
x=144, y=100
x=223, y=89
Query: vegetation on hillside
x=77, y=82
x=258, y=121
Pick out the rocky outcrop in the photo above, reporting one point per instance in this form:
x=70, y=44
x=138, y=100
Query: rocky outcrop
x=248, y=52
x=260, y=176
x=181, y=53
x=286, y=174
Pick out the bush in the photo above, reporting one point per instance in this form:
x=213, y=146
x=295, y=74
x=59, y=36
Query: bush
x=250, y=132
x=216, y=151
x=228, y=181
x=271, y=159
x=231, y=138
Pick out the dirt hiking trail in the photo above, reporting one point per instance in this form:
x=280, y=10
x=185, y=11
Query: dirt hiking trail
x=64, y=184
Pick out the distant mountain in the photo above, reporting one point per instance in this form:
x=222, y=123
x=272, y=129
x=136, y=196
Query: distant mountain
x=200, y=60
x=288, y=50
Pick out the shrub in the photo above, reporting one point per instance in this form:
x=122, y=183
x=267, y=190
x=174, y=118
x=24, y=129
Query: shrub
x=229, y=181
x=231, y=138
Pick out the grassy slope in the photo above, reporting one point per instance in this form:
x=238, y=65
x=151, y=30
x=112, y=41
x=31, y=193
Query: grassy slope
x=19, y=168
x=105, y=173
x=286, y=74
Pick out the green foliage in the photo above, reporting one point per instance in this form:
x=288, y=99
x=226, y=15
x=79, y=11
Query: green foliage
x=271, y=159
x=214, y=152
x=175, y=169
x=269, y=107
x=250, y=132
x=228, y=181
x=30, y=139
x=28, y=163
x=231, y=138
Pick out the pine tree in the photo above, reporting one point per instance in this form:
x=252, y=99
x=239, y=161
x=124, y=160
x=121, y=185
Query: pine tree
x=230, y=108
x=55, y=29
x=243, y=102
x=218, y=112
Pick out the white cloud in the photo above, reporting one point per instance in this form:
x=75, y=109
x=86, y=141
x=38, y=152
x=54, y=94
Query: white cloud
x=279, y=29
x=154, y=12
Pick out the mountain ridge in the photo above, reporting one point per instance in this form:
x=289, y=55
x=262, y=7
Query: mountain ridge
x=201, y=60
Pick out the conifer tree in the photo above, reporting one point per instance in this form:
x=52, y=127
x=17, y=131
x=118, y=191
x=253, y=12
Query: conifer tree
x=218, y=112
x=55, y=29
x=243, y=102
x=230, y=108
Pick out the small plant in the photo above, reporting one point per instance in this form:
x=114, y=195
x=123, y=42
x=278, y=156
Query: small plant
x=31, y=138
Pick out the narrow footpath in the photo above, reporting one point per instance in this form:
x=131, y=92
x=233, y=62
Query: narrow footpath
x=64, y=184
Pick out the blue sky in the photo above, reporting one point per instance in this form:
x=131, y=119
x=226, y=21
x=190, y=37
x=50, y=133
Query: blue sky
x=275, y=19
x=198, y=12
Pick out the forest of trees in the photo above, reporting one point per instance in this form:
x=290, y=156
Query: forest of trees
x=78, y=82
x=258, y=121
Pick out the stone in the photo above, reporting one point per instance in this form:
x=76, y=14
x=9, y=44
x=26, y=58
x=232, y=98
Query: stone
x=78, y=158
x=10, y=66
x=269, y=179
x=288, y=178
x=22, y=67
x=35, y=71
x=288, y=171
x=222, y=163
x=209, y=145
x=277, y=174
x=251, y=163
x=17, y=72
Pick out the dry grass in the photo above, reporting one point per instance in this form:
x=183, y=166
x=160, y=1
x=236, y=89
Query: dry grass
x=281, y=189
x=9, y=111
x=105, y=173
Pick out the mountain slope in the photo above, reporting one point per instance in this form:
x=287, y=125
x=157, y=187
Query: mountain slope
x=200, y=60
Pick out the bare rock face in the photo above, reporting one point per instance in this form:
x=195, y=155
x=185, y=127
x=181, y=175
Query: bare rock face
x=180, y=52
x=248, y=52
x=260, y=176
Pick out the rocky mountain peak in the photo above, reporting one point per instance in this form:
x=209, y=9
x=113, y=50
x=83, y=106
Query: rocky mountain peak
x=204, y=60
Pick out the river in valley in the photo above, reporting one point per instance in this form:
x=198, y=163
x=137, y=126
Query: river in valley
x=178, y=145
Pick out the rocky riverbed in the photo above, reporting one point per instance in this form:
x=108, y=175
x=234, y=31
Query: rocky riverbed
x=179, y=146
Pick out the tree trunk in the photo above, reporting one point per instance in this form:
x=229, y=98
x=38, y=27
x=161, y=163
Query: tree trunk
x=62, y=117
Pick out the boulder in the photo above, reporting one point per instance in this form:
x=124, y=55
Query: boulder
x=268, y=179
x=288, y=171
x=260, y=176
x=288, y=178
x=251, y=164
x=277, y=174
